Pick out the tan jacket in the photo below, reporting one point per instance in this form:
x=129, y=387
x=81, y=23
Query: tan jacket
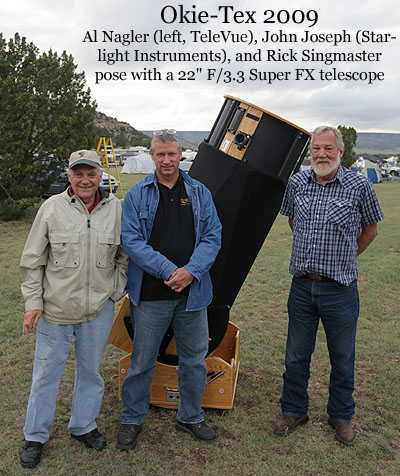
x=73, y=263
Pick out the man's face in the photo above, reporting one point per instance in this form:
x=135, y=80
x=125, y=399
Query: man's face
x=85, y=181
x=325, y=155
x=166, y=158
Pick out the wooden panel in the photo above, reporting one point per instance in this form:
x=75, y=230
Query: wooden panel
x=247, y=126
x=123, y=371
x=119, y=335
x=226, y=349
x=219, y=393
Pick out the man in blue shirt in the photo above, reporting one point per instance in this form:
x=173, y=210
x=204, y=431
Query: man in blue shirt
x=333, y=214
x=172, y=235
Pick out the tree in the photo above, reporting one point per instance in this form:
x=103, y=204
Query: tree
x=349, y=138
x=45, y=114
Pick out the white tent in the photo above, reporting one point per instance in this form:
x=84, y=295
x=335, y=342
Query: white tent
x=138, y=164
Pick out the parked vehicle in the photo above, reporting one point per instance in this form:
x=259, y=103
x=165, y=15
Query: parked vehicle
x=105, y=183
x=59, y=185
x=393, y=170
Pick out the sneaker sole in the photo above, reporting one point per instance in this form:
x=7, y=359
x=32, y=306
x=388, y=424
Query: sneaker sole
x=186, y=430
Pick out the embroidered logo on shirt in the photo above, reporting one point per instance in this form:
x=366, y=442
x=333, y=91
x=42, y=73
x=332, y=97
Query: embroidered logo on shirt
x=185, y=201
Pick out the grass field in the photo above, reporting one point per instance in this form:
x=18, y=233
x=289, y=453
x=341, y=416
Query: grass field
x=246, y=444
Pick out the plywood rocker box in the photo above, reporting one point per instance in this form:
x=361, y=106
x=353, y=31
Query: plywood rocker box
x=245, y=162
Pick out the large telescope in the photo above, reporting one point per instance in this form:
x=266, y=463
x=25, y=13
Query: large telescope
x=246, y=163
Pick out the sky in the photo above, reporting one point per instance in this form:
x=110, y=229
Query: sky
x=277, y=55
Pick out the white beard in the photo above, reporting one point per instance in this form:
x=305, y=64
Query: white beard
x=323, y=170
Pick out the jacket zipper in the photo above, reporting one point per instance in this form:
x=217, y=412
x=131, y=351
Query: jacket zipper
x=88, y=269
x=87, y=285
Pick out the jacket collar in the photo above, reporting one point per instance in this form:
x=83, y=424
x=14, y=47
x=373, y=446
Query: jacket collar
x=152, y=179
x=103, y=195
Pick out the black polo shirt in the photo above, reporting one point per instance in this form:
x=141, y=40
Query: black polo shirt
x=173, y=236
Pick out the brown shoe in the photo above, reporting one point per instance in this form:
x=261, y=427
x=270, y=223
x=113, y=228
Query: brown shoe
x=344, y=432
x=287, y=424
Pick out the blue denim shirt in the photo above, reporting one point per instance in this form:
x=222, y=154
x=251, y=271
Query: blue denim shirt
x=138, y=213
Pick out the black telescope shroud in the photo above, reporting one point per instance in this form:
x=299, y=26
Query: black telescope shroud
x=247, y=194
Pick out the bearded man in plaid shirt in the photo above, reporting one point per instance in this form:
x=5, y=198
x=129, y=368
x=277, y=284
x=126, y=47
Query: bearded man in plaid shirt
x=333, y=213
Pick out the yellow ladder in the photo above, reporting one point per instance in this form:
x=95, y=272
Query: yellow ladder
x=106, y=146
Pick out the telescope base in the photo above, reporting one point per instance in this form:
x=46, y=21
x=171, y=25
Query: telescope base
x=222, y=369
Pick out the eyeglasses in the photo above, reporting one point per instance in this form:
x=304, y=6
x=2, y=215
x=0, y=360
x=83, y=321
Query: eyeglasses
x=160, y=132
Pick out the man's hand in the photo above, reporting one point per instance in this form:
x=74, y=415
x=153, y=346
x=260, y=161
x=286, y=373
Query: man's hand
x=31, y=318
x=179, y=280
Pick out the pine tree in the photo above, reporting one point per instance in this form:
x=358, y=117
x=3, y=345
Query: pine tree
x=349, y=135
x=45, y=114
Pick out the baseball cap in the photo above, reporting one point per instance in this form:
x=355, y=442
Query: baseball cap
x=88, y=157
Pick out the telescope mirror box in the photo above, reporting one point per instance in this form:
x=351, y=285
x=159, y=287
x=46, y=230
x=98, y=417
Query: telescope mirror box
x=246, y=163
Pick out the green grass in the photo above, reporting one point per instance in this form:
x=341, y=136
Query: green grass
x=246, y=444
x=127, y=180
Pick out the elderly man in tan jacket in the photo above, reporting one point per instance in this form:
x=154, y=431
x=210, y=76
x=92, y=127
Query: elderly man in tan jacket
x=73, y=269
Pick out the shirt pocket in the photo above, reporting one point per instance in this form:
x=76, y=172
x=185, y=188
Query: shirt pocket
x=341, y=212
x=107, y=247
x=302, y=205
x=65, y=249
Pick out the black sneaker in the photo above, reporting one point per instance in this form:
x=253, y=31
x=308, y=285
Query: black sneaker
x=127, y=435
x=199, y=431
x=31, y=454
x=93, y=439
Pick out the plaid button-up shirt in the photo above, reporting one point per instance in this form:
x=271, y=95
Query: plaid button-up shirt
x=327, y=221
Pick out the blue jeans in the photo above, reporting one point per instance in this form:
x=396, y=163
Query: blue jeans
x=337, y=306
x=53, y=343
x=150, y=320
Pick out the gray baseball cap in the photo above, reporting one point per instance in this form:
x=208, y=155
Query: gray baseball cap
x=88, y=157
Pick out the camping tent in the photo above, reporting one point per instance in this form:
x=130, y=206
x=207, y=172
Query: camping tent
x=368, y=169
x=370, y=157
x=138, y=164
